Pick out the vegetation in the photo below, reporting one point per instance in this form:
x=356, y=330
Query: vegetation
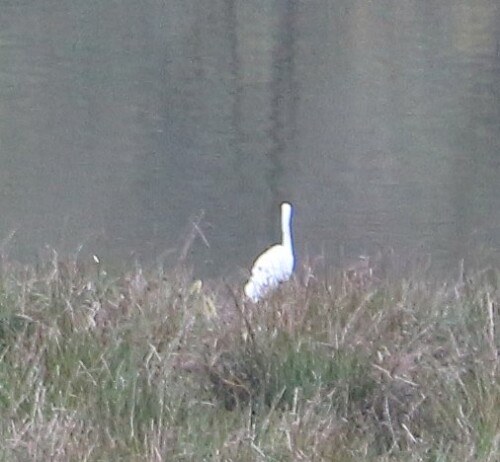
x=155, y=366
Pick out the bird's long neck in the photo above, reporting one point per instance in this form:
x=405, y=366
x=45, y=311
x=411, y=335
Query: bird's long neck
x=286, y=228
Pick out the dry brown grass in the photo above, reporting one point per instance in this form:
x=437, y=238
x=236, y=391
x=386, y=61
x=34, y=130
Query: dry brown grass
x=156, y=366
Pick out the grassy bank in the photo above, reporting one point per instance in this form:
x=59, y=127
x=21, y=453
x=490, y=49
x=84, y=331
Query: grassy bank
x=156, y=366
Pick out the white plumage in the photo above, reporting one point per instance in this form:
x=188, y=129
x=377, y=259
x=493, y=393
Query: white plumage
x=276, y=264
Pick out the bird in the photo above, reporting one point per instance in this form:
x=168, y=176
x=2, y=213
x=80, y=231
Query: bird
x=276, y=264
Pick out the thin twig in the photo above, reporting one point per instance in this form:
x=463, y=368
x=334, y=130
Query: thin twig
x=195, y=230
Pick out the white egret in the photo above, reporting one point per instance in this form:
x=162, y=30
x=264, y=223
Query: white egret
x=274, y=265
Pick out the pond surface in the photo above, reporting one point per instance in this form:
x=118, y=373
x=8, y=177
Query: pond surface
x=121, y=122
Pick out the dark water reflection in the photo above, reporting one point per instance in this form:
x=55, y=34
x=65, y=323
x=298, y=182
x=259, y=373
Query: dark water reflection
x=120, y=121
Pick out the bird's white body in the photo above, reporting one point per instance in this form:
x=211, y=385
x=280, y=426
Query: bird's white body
x=275, y=265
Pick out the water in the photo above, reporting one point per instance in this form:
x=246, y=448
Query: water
x=120, y=122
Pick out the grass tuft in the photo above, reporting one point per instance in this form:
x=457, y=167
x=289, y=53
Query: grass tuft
x=158, y=366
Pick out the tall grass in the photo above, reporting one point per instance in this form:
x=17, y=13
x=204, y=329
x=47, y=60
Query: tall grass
x=156, y=366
